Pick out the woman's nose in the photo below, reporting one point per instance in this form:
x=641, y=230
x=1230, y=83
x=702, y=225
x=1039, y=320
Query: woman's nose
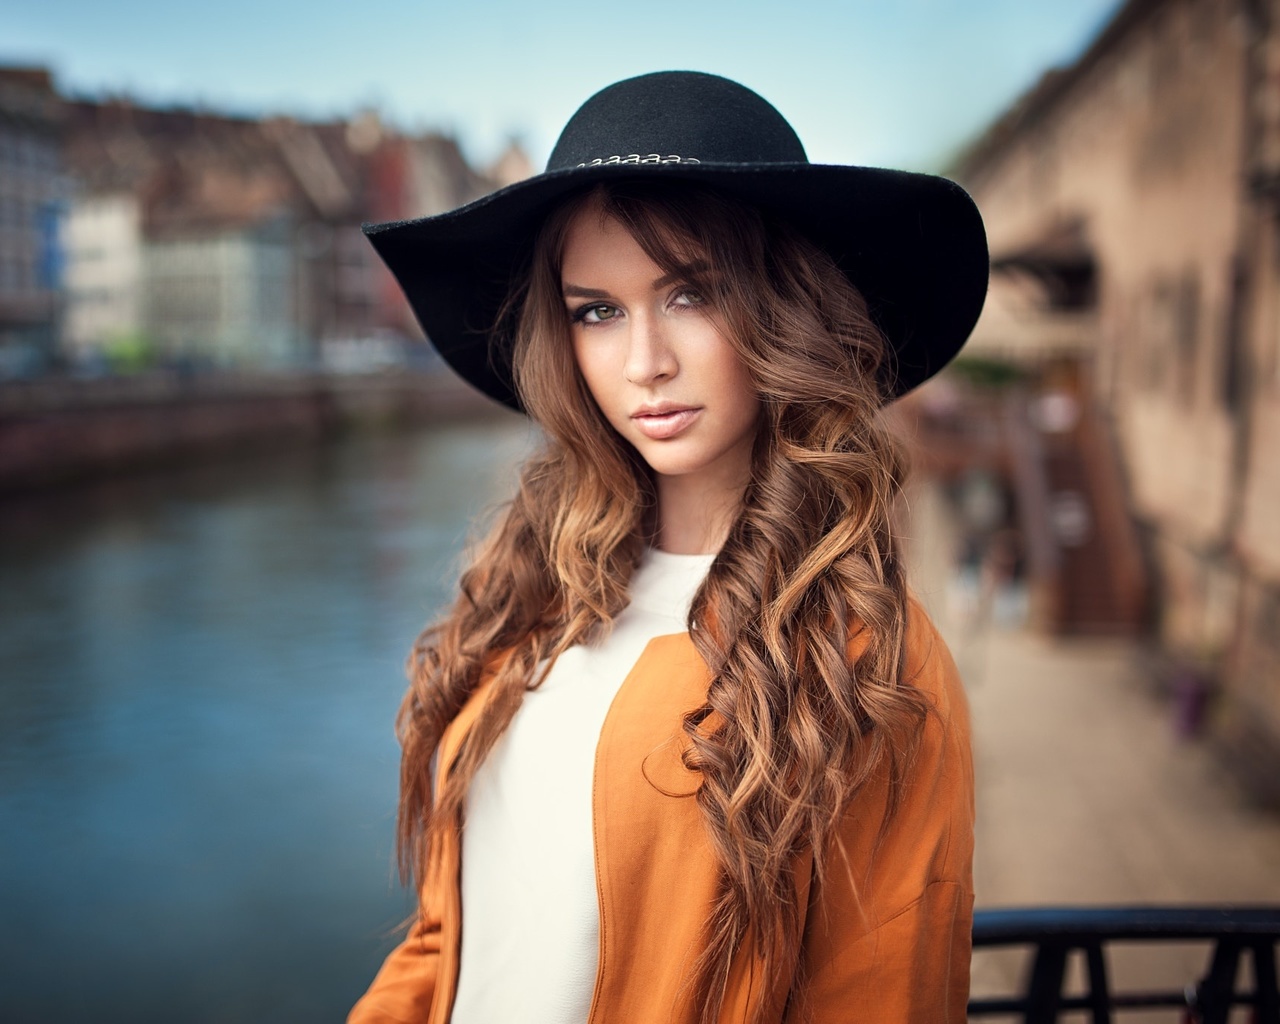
x=650, y=357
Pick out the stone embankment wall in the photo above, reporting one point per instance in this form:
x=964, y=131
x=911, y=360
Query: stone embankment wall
x=60, y=431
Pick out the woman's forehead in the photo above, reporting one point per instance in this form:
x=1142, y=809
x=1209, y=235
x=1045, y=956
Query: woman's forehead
x=648, y=225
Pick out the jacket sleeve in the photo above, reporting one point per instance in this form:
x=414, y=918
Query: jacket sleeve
x=402, y=991
x=889, y=929
x=426, y=963
x=404, y=988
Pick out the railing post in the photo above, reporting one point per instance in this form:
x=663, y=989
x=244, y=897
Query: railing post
x=1044, y=991
x=1213, y=994
x=1264, y=976
x=1099, y=990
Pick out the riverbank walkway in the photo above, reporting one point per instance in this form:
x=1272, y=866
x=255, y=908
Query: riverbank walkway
x=1086, y=795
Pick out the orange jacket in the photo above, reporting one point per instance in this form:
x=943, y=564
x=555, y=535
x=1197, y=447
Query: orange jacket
x=886, y=937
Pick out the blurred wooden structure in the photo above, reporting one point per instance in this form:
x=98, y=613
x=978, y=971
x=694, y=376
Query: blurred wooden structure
x=1079, y=553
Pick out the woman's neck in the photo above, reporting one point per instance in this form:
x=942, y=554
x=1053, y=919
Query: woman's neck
x=694, y=516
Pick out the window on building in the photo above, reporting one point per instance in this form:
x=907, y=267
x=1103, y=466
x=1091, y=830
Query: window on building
x=1155, y=331
x=1233, y=356
x=1170, y=336
x=1186, y=334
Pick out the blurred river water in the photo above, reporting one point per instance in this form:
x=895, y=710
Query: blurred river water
x=198, y=678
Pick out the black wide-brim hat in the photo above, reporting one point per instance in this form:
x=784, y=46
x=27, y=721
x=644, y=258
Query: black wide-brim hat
x=912, y=244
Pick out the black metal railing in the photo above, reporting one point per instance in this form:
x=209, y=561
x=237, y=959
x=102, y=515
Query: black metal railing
x=1055, y=934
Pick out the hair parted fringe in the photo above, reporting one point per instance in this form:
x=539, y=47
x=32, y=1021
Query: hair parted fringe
x=809, y=573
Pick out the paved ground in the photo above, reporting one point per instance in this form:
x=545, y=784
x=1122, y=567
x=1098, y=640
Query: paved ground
x=1085, y=793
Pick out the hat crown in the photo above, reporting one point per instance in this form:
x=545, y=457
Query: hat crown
x=678, y=117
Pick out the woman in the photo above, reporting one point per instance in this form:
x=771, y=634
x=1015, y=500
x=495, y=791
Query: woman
x=712, y=762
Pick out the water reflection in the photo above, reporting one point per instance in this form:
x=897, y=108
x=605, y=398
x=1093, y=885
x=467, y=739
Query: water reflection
x=197, y=771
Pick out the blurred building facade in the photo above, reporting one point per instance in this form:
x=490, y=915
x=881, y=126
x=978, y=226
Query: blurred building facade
x=103, y=234
x=1133, y=208
x=202, y=240
x=31, y=185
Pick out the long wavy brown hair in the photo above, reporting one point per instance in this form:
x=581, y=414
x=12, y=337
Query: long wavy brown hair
x=810, y=561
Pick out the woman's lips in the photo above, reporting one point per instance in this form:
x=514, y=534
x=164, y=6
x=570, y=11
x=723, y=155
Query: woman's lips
x=659, y=425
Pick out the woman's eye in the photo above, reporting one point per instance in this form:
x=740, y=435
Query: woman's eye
x=688, y=297
x=594, y=314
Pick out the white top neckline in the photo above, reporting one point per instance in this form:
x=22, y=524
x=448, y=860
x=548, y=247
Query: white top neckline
x=531, y=923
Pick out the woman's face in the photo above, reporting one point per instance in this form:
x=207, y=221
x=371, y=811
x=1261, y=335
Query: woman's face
x=651, y=353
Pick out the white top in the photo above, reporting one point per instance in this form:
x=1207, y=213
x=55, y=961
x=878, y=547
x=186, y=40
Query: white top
x=530, y=918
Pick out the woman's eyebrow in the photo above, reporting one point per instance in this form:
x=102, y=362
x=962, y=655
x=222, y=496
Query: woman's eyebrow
x=685, y=273
x=576, y=291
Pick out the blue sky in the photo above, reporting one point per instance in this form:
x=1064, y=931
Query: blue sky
x=894, y=83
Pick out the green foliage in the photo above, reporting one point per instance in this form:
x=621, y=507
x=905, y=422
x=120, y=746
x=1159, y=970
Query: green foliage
x=988, y=373
x=130, y=352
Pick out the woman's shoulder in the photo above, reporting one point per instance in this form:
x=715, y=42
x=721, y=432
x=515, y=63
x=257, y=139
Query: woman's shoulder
x=937, y=770
x=909, y=831
x=928, y=666
x=927, y=663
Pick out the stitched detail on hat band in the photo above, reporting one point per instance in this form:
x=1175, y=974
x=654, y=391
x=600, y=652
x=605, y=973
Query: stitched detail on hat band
x=636, y=158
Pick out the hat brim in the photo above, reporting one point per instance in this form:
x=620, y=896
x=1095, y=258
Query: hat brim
x=913, y=244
